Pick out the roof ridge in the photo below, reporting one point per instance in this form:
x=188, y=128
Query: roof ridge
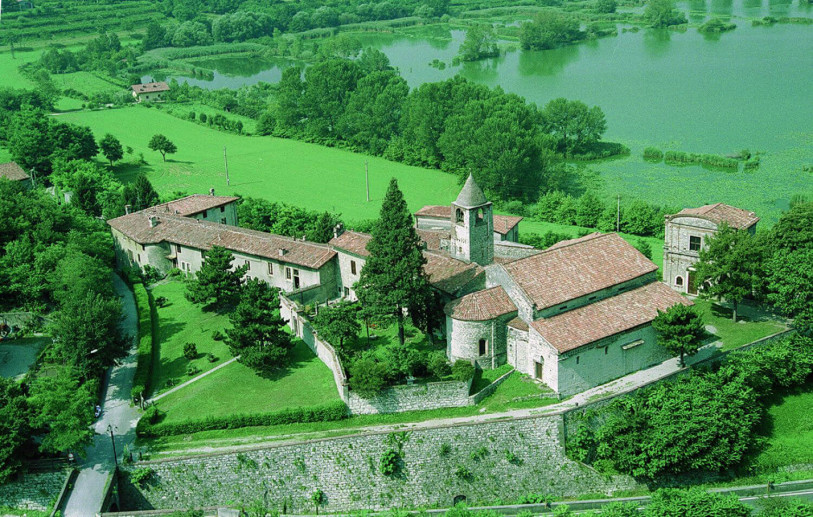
x=574, y=241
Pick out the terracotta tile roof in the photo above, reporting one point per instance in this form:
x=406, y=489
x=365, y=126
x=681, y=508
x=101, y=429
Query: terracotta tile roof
x=205, y=234
x=150, y=87
x=502, y=223
x=449, y=274
x=354, y=242
x=519, y=324
x=505, y=223
x=578, y=268
x=13, y=172
x=608, y=317
x=719, y=213
x=439, y=211
x=568, y=242
x=432, y=238
x=191, y=205
x=481, y=306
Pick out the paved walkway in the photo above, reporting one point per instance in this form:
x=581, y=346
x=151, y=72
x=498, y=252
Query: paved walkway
x=87, y=495
x=194, y=379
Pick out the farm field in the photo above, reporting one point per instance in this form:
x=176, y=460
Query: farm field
x=308, y=175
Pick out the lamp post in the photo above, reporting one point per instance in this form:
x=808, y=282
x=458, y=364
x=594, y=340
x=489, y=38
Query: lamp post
x=113, y=442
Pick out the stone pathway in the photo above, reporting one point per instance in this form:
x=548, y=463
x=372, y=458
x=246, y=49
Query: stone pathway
x=87, y=495
x=193, y=379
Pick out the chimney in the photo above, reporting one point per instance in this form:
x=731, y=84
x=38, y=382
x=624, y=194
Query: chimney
x=282, y=252
x=153, y=221
x=127, y=209
x=211, y=192
x=338, y=230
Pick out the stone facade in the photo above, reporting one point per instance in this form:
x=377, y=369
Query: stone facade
x=33, y=490
x=438, y=464
x=465, y=340
x=472, y=234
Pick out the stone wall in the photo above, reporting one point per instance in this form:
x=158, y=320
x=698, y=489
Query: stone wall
x=415, y=397
x=33, y=490
x=509, y=249
x=485, y=462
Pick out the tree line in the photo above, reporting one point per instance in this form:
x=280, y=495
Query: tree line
x=508, y=144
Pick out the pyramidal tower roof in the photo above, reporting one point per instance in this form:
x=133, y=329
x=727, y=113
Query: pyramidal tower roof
x=471, y=195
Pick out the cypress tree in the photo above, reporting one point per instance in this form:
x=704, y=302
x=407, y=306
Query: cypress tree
x=393, y=279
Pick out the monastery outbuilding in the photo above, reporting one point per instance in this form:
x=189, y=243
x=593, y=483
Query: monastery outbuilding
x=573, y=316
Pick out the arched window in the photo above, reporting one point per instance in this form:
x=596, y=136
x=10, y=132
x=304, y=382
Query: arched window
x=678, y=280
x=458, y=216
x=481, y=215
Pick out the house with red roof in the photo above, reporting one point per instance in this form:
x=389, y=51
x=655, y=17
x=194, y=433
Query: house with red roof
x=150, y=92
x=686, y=233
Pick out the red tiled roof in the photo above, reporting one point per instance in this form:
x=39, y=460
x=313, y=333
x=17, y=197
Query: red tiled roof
x=719, y=213
x=432, y=238
x=578, y=268
x=150, y=87
x=449, y=274
x=568, y=242
x=481, y=306
x=191, y=205
x=519, y=324
x=13, y=172
x=203, y=235
x=502, y=223
x=625, y=311
x=354, y=242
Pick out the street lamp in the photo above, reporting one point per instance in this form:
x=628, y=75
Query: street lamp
x=113, y=442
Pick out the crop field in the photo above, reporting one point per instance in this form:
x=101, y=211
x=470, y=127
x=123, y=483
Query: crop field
x=299, y=173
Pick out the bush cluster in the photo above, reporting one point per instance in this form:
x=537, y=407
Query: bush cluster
x=146, y=340
x=150, y=426
x=711, y=160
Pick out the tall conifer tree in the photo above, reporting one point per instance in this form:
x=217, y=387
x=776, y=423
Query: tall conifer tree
x=393, y=279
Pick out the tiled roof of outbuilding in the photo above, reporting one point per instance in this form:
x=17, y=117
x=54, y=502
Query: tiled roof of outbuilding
x=353, y=242
x=439, y=211
x=191, y=205
x=13, y=172
x=203, y=235
x=505, y=223
x=577, y=268
x=481, y=305
x=432, y=238
x=449, y=274
x=150, y=87
x=719, y=213
x=625, y=311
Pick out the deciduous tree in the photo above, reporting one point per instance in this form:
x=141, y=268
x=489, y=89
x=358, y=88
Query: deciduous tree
x=14, y=414
x=680, y=330
x=480, y=43
x=64, y=407
x=111, y=148
x=163, y=145
x=338, y=323
x=573, y=124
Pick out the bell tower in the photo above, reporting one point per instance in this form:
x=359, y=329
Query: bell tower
x=472, y=225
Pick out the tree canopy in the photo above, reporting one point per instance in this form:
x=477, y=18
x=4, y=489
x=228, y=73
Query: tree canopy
x=216, y=283
x=680, y=330
x=163, y=145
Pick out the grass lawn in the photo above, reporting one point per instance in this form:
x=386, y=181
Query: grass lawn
x=85, y=82
x=308, y=175
x=181, y=322
x=237, y=389
x=790, y=436
x=732, y=334
x=10, y=76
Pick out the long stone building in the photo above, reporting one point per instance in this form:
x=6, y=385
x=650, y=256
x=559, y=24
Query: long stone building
x=573, y=316
x=686, y=234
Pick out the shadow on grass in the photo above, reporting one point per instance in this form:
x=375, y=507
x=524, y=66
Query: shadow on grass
x=298, y=358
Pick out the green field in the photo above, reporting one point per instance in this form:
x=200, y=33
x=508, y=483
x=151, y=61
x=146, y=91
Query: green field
x=308, y=175
x=790, y=438
x=180, y=322
x=237, y=389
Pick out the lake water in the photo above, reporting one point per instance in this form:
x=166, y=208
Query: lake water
x=748, y=88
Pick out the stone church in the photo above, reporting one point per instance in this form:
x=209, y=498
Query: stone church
x=573, y=316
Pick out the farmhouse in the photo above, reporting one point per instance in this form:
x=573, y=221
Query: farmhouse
x=13, y=172
x=685, y=236
x=151, y=92
x=573, y=316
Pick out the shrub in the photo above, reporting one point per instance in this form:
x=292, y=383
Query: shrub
x=389, y=462
x=438, y=365
x=211, y=357
x=192, y=370
x=445, y=449
x=462, y=370
x=161, y=301
x=653, y=153
x=323, y=413
x=190, y=351
x=463, y=473
x=146, y=341
x=218, y=336
x=141, y=475
x=368, y=377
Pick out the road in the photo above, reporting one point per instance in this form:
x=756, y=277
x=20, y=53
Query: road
x=87, y=495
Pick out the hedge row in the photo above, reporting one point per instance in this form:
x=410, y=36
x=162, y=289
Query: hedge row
x=711, y=160
x=149, y=425
x=147, y=320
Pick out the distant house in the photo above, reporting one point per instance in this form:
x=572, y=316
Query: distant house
x=13, y=172
x=686, y=232
x=151, y=92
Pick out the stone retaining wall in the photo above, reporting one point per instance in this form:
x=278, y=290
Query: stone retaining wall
x=33, y=490
x=415, y=397
x=485, y=462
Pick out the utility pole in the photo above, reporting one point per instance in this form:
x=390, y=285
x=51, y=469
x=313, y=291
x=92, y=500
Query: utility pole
x=226, y=161
x=367, y=180
x=618, y=214
x=112, y=441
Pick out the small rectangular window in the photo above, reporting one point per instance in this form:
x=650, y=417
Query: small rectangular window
x=605, y=350
x=346, y=292
x=222, y=209
x=178, y=248
x=694, y=243
x=353, y=267
x=138, y=258
x=563, y=307
x=483, y=347
x=577, y=359
x=222, y=220
x=287, y=273
x=248, y=265
x=271, y=269
x=296, y=272
x=591, y=298
x=203, y=216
